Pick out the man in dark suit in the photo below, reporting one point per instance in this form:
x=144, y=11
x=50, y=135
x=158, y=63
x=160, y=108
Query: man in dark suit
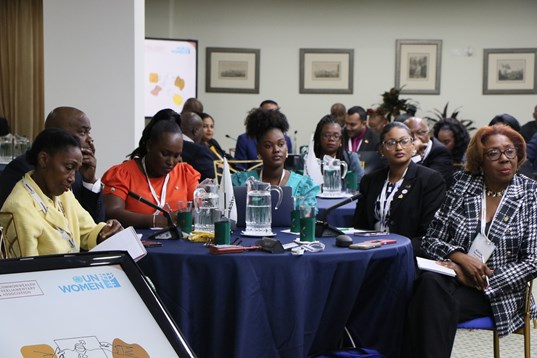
x=357, y=137
x=194, y=153
x=86, y=187
x=246, y=147
x=435, y=155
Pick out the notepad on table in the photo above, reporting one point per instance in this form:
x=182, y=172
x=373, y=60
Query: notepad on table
x=125, y=240
x=434, y=266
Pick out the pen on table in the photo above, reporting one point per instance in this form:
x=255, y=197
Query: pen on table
x=486, y=277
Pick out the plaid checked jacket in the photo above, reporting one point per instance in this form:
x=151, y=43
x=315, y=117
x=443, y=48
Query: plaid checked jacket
x=513, y=230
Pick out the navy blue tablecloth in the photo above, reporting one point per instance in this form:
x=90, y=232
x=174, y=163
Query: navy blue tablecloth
x=257, y=304
x=339, y=217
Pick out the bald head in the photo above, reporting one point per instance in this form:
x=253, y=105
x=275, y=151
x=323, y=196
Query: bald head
x=73, y=121
x=192, y=126
x=418, y=127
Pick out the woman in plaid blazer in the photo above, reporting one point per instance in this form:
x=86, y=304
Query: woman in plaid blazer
x=483, y=286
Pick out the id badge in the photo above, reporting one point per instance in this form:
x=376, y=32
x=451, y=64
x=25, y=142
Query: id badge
x=481, y=248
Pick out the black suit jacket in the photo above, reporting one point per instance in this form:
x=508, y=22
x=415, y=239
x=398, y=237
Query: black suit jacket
x=15, y=170
x=440, y=159
x=200, y=157
x=369, y=143
x=410, y=212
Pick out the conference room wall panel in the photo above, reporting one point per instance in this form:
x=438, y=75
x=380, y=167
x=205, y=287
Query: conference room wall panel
x=280, y=28
x=94, y=61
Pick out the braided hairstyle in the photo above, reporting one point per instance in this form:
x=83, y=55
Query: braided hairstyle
x=164, y=121
x=328, y=119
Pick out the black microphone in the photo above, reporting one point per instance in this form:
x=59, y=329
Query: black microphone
x=230, y=137
x=176, y=233
x=295, y=145
x=322, y=228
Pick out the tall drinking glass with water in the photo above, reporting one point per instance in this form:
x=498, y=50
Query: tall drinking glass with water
x=333, y=175
x=259, y=206
x=206, y=202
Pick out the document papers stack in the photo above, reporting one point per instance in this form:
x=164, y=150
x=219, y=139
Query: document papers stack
x=125, y=240
x=434, y=266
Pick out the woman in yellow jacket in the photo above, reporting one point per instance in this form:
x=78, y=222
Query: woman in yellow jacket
x=47, y=216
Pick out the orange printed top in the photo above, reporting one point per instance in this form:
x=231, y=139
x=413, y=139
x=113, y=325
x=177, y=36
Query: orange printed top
x=127, y=176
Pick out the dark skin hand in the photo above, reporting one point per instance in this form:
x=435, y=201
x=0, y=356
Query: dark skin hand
x=89, y=164
x=112, y=226
x=115, y=207
x=470, y=271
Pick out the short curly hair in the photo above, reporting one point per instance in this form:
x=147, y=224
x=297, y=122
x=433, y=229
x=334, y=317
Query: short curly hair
x=259, y=121
x=475, y=151
x=460, y=134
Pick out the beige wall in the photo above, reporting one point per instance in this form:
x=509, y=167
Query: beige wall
x=94, y=61
x=370, y=27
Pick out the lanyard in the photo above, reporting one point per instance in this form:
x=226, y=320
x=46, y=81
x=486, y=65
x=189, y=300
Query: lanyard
x=386, y=202
x=44, y=208
x=484, y=213
x=162, y=201
x=352, y=142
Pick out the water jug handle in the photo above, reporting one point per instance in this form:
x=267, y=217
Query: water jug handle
x=345, y=168
x=197, y=194
x=280, y=195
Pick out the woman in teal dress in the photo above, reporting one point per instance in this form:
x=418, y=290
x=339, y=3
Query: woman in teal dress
x=269, y=127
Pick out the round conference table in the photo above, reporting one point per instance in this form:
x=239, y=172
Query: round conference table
x=258, y=304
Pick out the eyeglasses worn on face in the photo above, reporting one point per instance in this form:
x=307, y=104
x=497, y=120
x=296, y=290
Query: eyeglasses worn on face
x=391, y=144
x=336, y=136
x=495, y=154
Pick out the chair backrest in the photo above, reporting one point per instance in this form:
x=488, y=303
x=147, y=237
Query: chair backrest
x=280, y=217
x=8, y=247
x=235, y=165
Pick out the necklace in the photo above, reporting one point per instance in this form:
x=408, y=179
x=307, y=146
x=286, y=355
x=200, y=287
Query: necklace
x=494, y=194
x=281, y=178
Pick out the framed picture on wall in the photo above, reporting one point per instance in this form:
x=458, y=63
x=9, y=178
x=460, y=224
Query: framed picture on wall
x=510, y=71
x=326, y=71
x=232, y=70
x=417, y=66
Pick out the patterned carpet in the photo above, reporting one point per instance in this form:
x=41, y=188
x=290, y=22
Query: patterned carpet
x=478, y=343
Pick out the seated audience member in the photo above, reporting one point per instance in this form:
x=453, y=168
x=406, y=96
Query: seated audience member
x=246, y=147
x=526, y=167
x=454, y=136
x=268, y=128
x=531, y=149
x=48, y=217
x=153, y=172
x=488, y=201
x=86, y=187
x=339, y=111
x=4, y=127
x=357, y=137
x=529, y=129
x=506, y=119
x=436, y=156
x=193, y=105
x=194, y=153
x=208, y=137
x=327, y=141
x=403, y=197
x=376, y=119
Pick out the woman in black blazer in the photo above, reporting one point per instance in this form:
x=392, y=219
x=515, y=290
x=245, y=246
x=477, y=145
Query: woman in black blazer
x=402, y=198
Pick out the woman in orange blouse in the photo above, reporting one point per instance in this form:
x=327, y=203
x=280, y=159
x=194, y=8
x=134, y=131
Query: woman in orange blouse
x=153, y=172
